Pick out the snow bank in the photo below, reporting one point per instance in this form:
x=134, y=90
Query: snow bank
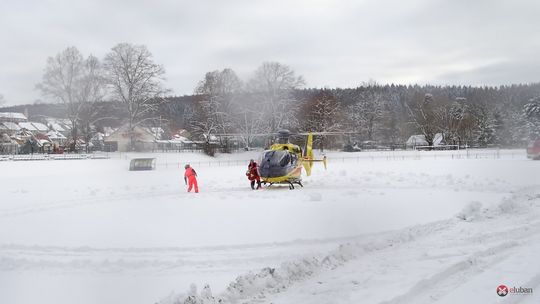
x=254, y=287
x=471, y=212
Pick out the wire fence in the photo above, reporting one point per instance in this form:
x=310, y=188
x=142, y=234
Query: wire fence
x=436, y=155
x=332, y=157
x=35, y=157
x=369, y=156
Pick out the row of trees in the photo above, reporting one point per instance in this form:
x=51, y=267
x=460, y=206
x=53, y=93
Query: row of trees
x=264, y=104
x=388, y=114
x=274, y=98
x=128, y=75
x=129, y=78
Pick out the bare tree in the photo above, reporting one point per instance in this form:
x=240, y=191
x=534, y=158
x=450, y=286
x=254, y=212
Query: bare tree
x=217, y=92
x=178, y=113
x=323, y=115
x=135, y=81
x=368, y=110
x=424, y=115
x=75, y=82
x=2, y=100
x=92, y=91
x=219, y=83
x=205, y=119
x=249, y=123
x=273, y=84
x=215, y=108
x=457, y=120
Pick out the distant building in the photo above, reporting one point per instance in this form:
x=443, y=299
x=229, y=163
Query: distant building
x=12, y=123
x=119, y=140
x=11, y=127
x=60, y=125
x=8, y=145
x=57, y=138
x=177, y=143
x=9, y=122
x=420, y=140
x=12, y=117
x=44, y=143
x=40, y=127
x=28, y=126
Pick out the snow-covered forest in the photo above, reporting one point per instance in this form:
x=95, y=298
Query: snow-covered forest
x=127, y=87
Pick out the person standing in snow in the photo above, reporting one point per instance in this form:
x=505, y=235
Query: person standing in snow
x=253, y=174
x=190, y=176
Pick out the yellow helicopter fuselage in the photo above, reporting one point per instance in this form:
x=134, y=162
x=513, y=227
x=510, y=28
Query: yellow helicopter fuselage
x=293, y=172
x=283, y=163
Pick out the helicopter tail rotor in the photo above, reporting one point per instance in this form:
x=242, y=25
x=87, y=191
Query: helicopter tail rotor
x=308, y=149
x=308, y=155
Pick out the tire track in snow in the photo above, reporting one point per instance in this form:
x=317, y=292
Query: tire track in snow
x=78, y=202
x=15, y=257
x=93, y=200
x=444, y=281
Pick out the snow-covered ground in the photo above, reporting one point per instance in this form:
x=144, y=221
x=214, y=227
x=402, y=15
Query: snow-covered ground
x=376, y=227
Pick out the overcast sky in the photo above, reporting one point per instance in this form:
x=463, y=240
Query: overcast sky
x=330, y=43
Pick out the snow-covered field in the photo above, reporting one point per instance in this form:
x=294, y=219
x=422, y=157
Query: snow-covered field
x=376, y=227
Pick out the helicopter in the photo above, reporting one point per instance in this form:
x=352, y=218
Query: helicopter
x=283, y=162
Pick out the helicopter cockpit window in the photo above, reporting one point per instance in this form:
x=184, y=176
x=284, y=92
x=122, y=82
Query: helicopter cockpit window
x=269, y=155
x=284, y=160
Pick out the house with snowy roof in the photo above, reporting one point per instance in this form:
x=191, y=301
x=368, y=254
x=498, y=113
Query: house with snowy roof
x=57, y=138
x=9, y=122
x=8, y=145
x=177, y=143
x=420, y=140
x=119, y=140
x=12, y=117
x=44, y=143
x=28, y=126
x=60, y=125
x=11, y=127
x=40, y=127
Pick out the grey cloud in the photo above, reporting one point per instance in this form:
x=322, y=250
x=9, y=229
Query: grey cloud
x=334, y=43
x=496, y=74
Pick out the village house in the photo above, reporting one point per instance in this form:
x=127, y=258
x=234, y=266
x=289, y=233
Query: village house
x=119, y=140
x=420, y=141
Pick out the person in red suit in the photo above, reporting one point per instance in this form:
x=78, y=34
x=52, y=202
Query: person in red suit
x=253, y=174
x=190, y=176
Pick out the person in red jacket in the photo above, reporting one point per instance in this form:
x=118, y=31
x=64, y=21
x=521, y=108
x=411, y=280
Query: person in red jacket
x=190, y=176
x=253, y=174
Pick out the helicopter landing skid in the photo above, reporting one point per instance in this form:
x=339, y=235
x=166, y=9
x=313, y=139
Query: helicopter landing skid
x=290, y=183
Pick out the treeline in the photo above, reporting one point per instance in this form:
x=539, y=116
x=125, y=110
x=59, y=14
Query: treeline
x=478, y=116
x=127, y=87
x=504, y=116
